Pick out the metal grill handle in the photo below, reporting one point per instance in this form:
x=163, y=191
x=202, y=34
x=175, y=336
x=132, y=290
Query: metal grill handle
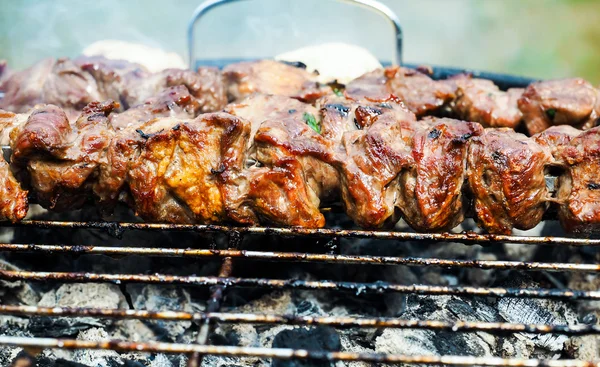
x=372, y=5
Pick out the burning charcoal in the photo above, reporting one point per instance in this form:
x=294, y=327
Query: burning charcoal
x=96, y=295
x=160, y=298
x=539, y=311
x=427, y=342
x=17, y=292
x=314, y=339
x=160, y=360
x=47, y=362
x=96, y=358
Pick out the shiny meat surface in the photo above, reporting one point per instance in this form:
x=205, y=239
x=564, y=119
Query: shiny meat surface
x=506, y=177
x=207, y=86
x=13, y=199
x=556, y=139
x=370, y=160
x=72, y=84
x=422, y=95
x=480, y=100
x=52, y=81
x=57, y=159
x=177, y=175
x=579, y=190
x=431, y=198
x=572, y=102
x=292, y=172
x=271, y=77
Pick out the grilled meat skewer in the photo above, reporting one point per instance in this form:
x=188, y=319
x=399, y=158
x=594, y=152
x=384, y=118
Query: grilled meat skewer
x=169, y=168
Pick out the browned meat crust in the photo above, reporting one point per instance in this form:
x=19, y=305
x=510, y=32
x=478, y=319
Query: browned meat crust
x=271, y=77
x=13, y=199
x=480, y=100
x=431, y=198
x=572, y=102
x=579, y=192
x=422, y=95
x=506, y=177
x=371, y=158
x=72, y=84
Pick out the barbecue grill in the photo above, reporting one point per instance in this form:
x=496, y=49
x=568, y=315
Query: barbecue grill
x=230, y=257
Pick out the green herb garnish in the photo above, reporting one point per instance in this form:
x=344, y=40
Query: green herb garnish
x=312, y=122
x=338, y=92
x=551, y=113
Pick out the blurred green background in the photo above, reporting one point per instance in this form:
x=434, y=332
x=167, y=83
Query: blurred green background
x=537, y=38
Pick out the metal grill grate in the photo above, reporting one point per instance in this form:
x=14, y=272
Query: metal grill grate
x=224, y=280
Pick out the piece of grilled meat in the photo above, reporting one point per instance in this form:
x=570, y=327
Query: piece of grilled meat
x=579, y=187
x=72, y=84
x=506, y=178
x=52, y=81
x=290, y=172
x=271, y=77
x=422, y=95
x=480, y=100
x=431, y=196
x=64, y=162
x=371, y=155
x=13, y=199
x=572, y=102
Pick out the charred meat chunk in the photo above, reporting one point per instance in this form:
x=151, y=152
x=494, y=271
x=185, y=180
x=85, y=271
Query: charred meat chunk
x=370, y=160
x=572, y=102
x=13, y=199
x=52, y=81
x=506, y=177
x=72, y=84
x=579, y=190
x=291, y=173
x=480, y=100
x=271, y=77
x=422, y=95
x=431, y=198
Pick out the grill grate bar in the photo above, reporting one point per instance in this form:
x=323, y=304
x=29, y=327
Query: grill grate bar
x=286, y=354
x=212, y=305
x=117, y=228
x=333, y=321
x=358, y=288
x=303, y=257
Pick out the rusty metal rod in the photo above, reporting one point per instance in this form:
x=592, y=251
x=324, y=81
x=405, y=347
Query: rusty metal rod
x=358, y=288
x=467, y=238
x=302, y=257
x=156, y=347
x=213, y=304
x=333, y=321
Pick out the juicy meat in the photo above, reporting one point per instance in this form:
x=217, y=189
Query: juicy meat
x=480, y=100
x=129, y=133
x=431, y=198
x=59, y=159
x=178, y=174
x=556, y=139
x=371, y=158
x=292, y=172
x=66, y=162
x=131, y=84
x=13, y=199
x=579, y=190
x=271, y=77
x=572, y=102
x=52, y=81
x=72, y=84
x=506, y=177
x=422, y=95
